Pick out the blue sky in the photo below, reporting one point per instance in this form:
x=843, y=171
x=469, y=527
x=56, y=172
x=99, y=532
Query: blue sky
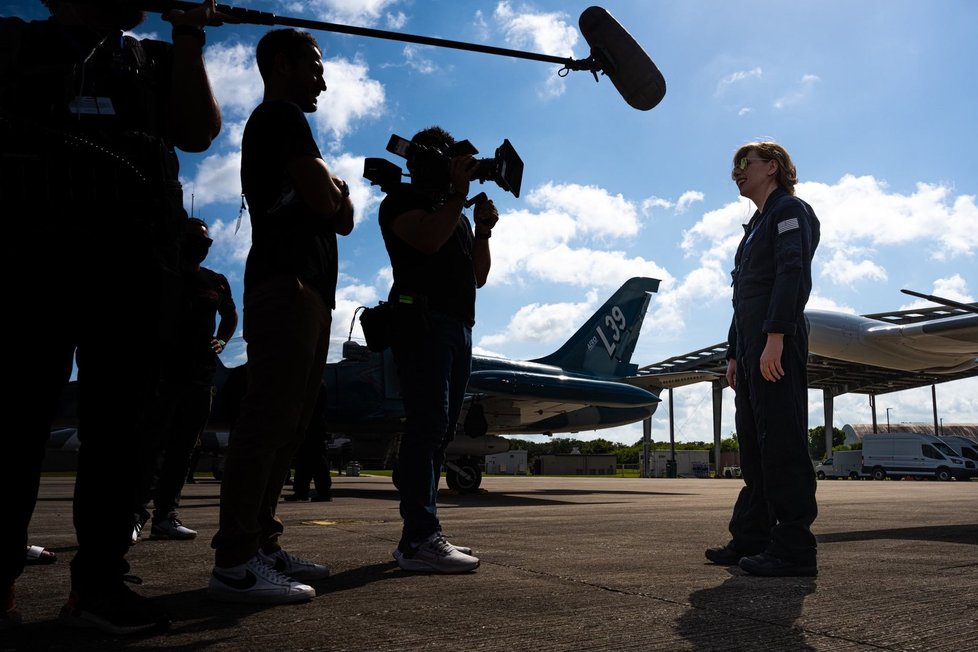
x=875, y=100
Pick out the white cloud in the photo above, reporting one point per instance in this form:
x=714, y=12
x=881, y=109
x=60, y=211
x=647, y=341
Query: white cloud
x=819, y=302
x=954, y=288
x=544, y=322
x=231, y=241
x=800, y=93
x=687, y=199
x=655, y=202
x=416, y=60
x=352, y=95
x=547, y=33
x=364, y=197
x=234, y=78
x=589, y=267
x=593, y=209
x=859, y=211
x=842, y=269
x=218, y=179
x=357, y=12
x=708, y=283
x=738, y=77
x=348, y=299
x=396, y=20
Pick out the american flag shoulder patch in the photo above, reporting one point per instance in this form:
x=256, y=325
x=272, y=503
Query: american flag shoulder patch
x=787, y=225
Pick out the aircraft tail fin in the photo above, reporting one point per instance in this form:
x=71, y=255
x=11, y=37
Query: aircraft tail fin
x=603, y=346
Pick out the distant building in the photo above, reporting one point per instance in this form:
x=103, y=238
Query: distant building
x=577, y=464
x=854, y=432
x=689, y=463
x=508, y=463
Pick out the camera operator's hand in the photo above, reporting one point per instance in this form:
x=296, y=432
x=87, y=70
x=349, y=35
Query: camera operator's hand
x=461, y=171
x=204, y=15
x=485, y=216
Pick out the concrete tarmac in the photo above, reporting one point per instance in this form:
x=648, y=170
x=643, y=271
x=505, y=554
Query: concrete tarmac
x=567, y=564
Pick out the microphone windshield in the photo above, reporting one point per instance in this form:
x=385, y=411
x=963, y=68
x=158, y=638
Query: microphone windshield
x=622, y=59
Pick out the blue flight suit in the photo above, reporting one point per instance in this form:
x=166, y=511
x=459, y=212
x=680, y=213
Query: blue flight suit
x=772, y=280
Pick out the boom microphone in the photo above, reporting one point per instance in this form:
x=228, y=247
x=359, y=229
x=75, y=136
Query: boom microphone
x=613, y=50
x=622, y=59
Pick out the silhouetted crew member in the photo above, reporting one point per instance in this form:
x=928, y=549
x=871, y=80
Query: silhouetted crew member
x=92, y=212
x=297, y=209
x=767, y=367
x=438, y=262
x=311, y=463
x=182, y=403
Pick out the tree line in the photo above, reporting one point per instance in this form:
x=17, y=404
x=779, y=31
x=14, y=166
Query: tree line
x=630, y=454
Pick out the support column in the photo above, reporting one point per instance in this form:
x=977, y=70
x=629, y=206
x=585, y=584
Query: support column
x=828, y=401
x=872, y=405
x=717, y=411
x=672, y=429
x=646, y=447
x=933, y=398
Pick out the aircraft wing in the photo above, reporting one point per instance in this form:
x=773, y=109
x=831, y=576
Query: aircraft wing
x=670, y=380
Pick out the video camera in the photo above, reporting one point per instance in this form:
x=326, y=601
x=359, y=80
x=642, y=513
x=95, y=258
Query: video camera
x=429, y=166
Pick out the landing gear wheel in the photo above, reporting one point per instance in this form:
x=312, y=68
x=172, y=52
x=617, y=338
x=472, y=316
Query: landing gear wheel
x=464, y=476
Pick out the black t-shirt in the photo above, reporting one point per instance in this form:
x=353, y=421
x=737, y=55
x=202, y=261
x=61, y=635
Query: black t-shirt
x=446, y=278
x=191, y=359
x=287, y=237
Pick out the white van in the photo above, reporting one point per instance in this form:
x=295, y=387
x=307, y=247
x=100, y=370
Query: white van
x=900, y=454
x=842, y=464
x=966, y=448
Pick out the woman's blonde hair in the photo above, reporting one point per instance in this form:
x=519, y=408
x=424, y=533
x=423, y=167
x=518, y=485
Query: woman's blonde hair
x=787, y=175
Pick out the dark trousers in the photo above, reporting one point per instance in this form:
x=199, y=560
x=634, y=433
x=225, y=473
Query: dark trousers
x=433, y=370
x=104, y=296
x=175, y=420
x=286, y=326
x=776, y=507
x=311, y=465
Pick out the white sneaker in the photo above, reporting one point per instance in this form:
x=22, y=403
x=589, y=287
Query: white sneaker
x=256, y=582
x=465, y=550
x=171, y=528
x=137, y=529
x=436, y=555
x=292, y=566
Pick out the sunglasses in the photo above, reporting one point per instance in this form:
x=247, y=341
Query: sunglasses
x=741, y=165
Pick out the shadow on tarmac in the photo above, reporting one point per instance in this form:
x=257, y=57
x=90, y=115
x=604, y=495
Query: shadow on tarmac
x=193, y=614
x=747, y=613
x=943, y=533
x=497, y=499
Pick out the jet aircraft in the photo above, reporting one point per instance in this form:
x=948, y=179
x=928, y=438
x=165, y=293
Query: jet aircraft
x=580, y=386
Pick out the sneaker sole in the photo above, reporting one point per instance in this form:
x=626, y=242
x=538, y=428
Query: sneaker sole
x=222, y=594
x=421, y=566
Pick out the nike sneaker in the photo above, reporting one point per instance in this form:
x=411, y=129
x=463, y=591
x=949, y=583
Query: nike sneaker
x=256, y=582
